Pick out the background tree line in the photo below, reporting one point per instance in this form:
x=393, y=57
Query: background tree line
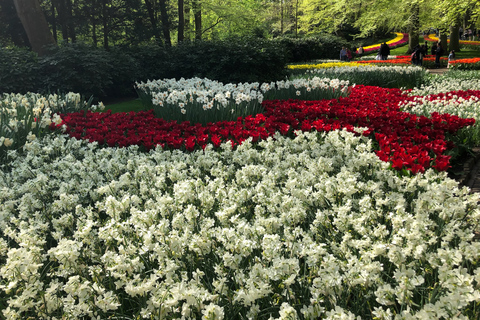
x=35, y=23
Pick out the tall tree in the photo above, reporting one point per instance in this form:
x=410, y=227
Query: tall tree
x=35, y=25
x=414, y=26
x=197, y=15
x=181, y=22
x=11, y=29
x=165, y=22
x=153, y=18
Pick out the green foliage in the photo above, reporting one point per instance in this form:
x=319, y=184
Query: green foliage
x=324, y=46
x=18, y=70
x=96, y=72
x=86, y=70
x=231, y=60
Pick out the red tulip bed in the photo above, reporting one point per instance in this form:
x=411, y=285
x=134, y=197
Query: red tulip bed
x=409, y=142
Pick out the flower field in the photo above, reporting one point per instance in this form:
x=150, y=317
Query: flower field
x=335, y=208
x=434, y=38
x=399, y=40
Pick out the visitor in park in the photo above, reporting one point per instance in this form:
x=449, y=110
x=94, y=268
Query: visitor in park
x=415, y=53
x=451, y=57
x=343, y=54
x=384, y=51
x=438, y=54
x=425, y=51
x=360, y=49
x=349, y=55
x=434, y=49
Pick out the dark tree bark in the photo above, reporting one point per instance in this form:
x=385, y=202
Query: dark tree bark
x=35, y=25
x=105, y=23
x=13, y=28
x=444, y=41
x=54, y=21
x=414, y=28
x=62, y=18
x=454, y=38
x=186, y=24
x=70, y=22
x=197, y=12
x=93, y=20
x=181, y=22
x=153, y=20
x=165, y=22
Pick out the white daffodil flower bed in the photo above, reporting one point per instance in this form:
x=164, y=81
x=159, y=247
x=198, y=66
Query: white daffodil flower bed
x=360, y=68
x=306, y=228
x=204, y=100
x=446, y=85
x=24, y=117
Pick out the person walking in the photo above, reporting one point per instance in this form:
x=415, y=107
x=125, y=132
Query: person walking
x=349, y=55
x=451, y=57
x=423, y=53
x=384, y=51
x=438, y=54
x=343, y=54
x=434, y=49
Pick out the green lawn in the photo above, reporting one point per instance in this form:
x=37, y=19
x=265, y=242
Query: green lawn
x=125, y=106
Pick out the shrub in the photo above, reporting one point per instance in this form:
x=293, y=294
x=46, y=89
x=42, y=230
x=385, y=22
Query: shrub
x=78, y=68
x=319, y=47
x=231, y=60
x=96, y=72
x=18, y=70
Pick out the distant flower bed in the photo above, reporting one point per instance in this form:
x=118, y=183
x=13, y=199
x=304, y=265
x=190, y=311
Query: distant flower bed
x=352, y=64
x=401, y=39
x=433, y=38
x=465, y=64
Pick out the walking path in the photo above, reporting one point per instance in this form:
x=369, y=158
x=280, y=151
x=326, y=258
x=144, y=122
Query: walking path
x=438, y=71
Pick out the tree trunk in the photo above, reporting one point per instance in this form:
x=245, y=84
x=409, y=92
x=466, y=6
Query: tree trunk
x=62, y=18
x=187, y=26
x=105, y=24
x=70, y=22
x=35, y=25
x=414, y=28
x=454, y=38
x=197, y=11
x=444, y=41
x=153, y=20
x=165, y=22
x=93, y=21
x=54, y=22
x=181, y=22
x=281, y=17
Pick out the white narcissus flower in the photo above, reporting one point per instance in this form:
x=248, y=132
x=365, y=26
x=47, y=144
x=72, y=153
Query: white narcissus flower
x=212, y=312
x=7, y=142
x=182, y=233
